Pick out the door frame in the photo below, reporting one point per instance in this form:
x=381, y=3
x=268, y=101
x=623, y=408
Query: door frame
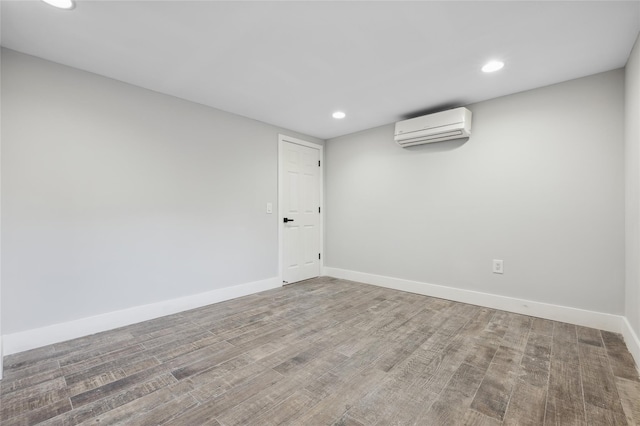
x=282, y=139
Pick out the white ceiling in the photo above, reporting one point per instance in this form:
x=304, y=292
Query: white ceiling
x=293, y=63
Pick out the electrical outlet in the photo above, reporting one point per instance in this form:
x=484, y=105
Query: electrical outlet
x=498, y=267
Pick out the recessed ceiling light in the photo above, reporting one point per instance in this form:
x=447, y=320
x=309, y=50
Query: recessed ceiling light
x=492, y=66
x=61, y=4
x=339, y=114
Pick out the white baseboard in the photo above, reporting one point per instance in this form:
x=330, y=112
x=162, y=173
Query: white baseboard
x=599, y=320
x=632, y=341
x=34, y=338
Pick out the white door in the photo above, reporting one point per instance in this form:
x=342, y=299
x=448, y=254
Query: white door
x=300, y=185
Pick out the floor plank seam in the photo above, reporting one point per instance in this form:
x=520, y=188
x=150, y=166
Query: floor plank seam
x=584, y=399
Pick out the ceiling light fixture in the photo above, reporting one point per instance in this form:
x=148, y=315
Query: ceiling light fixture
x=492, y=66
x=339, y=115
x=61, y=4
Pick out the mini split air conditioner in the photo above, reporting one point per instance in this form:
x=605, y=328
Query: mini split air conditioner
x=438, y=127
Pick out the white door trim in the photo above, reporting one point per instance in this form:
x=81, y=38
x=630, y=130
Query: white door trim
x=281, y=140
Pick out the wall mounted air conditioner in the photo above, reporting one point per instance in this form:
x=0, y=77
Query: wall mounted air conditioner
x=438, y=127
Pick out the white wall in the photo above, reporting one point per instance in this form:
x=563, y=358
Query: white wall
x=632, y=157
x=540, y=184
x=116, y=196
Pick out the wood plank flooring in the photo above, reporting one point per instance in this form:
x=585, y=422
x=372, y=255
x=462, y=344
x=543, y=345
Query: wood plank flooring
x=329, y=352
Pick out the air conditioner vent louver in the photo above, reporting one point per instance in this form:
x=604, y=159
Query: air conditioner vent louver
x=438, y=127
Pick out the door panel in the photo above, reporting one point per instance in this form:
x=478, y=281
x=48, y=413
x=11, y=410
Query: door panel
x=300, y=205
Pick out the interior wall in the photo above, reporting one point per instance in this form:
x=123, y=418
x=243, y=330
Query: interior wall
x=540, y=185
x=1, y=350
x=115, y=196
x=632, y=157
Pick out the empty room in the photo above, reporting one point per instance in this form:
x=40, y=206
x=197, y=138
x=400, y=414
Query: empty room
x=319, y=212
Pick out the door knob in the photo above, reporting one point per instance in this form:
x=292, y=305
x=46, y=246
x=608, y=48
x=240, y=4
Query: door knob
x=288, y=220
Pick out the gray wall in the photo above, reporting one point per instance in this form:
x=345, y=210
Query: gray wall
x=632, y=157
x=116, y=196
x=540, y=184
x=1, y=350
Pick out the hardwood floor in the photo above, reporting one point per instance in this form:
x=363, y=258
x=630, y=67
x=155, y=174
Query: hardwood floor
x=329, y=352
